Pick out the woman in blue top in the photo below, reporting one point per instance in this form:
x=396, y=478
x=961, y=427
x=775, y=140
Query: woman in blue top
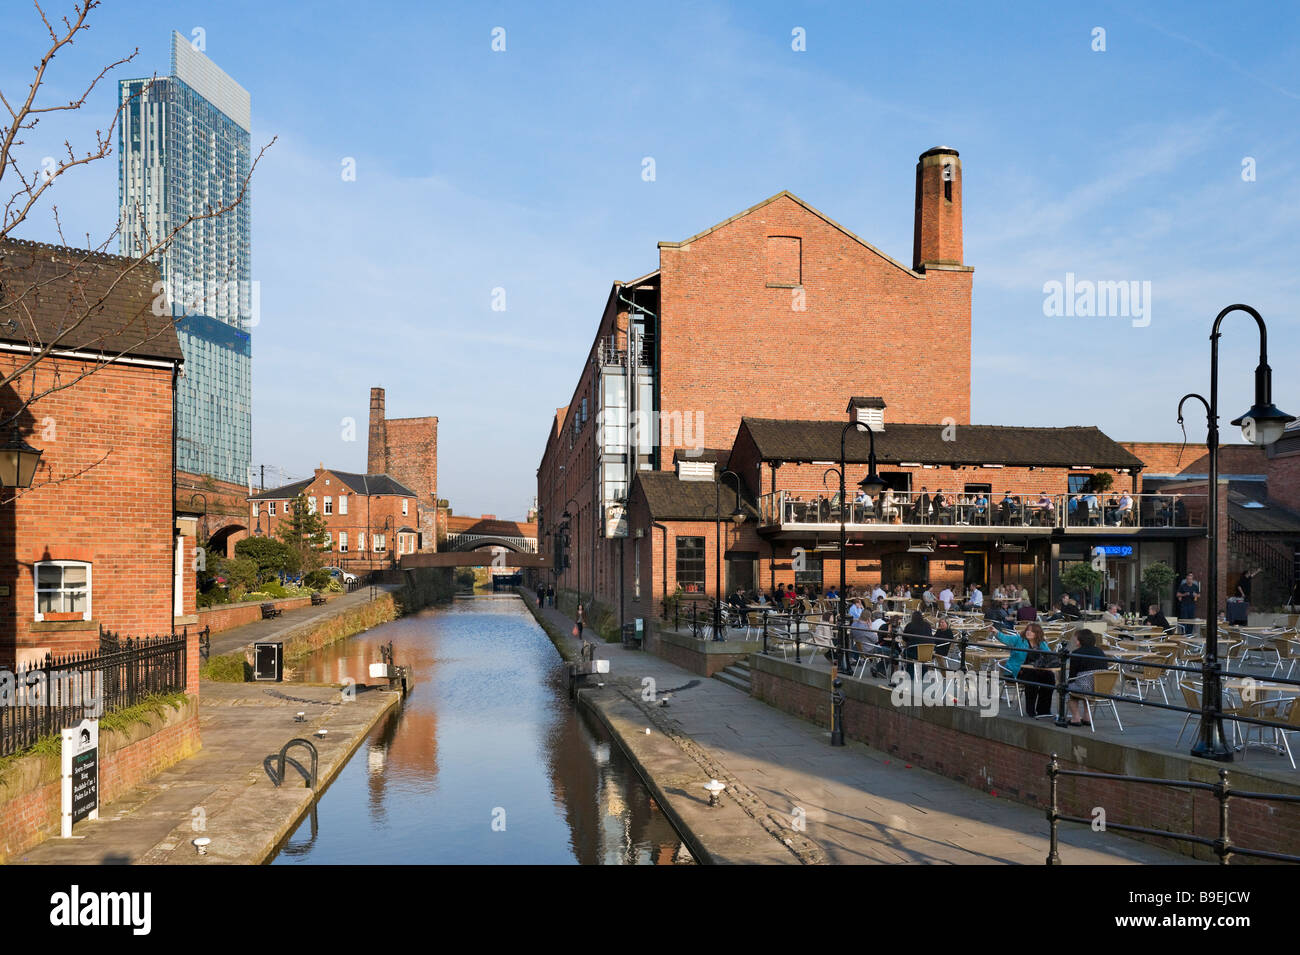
x=1006, y=633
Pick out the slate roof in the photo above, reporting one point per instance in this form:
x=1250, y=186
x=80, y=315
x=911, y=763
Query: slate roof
x=45, y=289
x=973, y=444
x=1266, y=519
x=369, y=485
x=671, y=499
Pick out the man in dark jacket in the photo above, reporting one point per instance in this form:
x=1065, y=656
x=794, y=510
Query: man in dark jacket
x=1156, y=617
x=1084, y=659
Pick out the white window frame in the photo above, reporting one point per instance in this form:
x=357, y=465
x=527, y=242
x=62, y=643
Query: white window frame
x=36, y=591
x=329, y=505
x=403, y=507
x=380, y=544
x=311, y=505
x=270, y=508
x=343, y=540
x=329, y=541
x=343, y=504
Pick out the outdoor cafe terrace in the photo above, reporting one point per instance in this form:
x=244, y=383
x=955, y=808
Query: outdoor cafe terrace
x=821, y=512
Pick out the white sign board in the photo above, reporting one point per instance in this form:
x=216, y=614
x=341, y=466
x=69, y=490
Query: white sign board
x=80, y=774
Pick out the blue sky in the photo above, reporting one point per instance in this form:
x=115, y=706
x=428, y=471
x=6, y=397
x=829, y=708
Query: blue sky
x=522, y=170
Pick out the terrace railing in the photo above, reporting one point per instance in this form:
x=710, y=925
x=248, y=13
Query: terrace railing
x=809, y=508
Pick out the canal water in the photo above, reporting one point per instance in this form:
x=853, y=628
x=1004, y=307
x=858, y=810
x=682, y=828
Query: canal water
x=486, y=762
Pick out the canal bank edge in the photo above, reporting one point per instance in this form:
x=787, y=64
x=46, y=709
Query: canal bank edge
x=725, y=834
x=739, y=830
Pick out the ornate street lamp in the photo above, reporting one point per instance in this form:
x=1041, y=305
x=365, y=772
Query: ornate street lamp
x=872, y=485
x=18, y=461
x=1261, y=425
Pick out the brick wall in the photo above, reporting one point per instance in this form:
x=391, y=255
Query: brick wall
x=107, y=441
x=1173, y=458
x=366, y=516
x=723, y=324
x=31, y=793
x=1283, y=470
x=406, y=449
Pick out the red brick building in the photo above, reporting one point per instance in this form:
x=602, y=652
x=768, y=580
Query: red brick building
x=95, y=540
x=406, y=449
x=751, y=317
x=371, y=519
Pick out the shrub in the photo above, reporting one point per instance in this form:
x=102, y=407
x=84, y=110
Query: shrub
x=269, y=554
x=317, y=580
x=239, y=572
x=274, y=589
x=334, y=586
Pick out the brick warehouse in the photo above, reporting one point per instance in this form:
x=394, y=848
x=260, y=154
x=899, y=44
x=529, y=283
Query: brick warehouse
x=677, y=360
x=406, y=449
x=98, y=523
x=371, y=519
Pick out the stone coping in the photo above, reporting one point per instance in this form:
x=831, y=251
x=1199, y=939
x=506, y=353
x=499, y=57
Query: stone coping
x=708, y=646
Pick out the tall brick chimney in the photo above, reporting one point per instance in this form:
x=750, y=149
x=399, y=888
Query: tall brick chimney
x=936, y=239
x=377, y=450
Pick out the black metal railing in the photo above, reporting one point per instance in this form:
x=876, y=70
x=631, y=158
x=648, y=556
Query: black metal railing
x=1223, y=793
x=62, y=691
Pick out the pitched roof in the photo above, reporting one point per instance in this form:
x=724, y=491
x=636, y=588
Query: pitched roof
x=786, y=194
x=972, y=444
x=368, y=485
x=46, y=289
x=671, y=499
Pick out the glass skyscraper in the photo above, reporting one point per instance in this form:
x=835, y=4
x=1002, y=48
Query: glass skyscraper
x=183, y=149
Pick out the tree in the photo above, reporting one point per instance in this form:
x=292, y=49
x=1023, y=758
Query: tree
x=271, y=556
x=1099, y=483
x=1082, y=577
x=76, y=282
x=305, y=534
x=1157, y=577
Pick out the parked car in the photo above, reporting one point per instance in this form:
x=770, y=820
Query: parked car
x=339, y=574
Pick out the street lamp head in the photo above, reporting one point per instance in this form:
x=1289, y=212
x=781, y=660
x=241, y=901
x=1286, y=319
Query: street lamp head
x=18, y=461
x=1263, y=424
x=738, y=516
x=872, y=484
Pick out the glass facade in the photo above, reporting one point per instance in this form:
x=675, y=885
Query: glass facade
x=184, y=148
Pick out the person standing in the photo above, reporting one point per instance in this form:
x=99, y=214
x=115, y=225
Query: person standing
x=1038, y=680
x=581, y=621
x=1189, y=591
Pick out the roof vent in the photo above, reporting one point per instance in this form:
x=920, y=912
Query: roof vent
x=870, y=411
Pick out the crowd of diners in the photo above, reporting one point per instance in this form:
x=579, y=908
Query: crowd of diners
x=889, y=639
x=982, y=508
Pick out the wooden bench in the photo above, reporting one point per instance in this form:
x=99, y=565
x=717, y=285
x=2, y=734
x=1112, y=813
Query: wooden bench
x=270, y=610
x=317, y=600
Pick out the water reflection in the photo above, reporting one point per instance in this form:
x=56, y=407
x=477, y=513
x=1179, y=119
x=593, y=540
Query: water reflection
x=486, y=762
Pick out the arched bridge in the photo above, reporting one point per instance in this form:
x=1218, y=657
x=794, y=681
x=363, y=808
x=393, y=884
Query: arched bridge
x=471, y=541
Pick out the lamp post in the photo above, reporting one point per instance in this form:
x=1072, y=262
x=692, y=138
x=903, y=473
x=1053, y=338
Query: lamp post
x=567, y=516
x=18, y=461
x=737, y=517
x=1261, y=425
x=872, y=485
x=388, y=526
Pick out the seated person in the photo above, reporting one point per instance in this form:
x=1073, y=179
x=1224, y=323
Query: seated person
x=1005, y=633
x=1027, y=612
x=1156, y=617
x=1112, y=616
x=1083, y=660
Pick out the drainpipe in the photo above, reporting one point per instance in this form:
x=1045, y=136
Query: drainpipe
x=172, y=532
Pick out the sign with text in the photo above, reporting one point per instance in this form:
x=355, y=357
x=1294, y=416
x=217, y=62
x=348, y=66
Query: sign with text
x=615, y=520
x=80, y=774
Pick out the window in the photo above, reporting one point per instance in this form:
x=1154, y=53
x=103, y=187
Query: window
x=403, y=507
x=380, y=544
x=690, y=564
x=343, y=503
x=311, y=505
x=329, y=505
x=361, y=543
x=329, y=541
x=63, y=587
x=811, y=574
x=343, y=537
x=784, y=261
x=986, y=489
x=256, y=507
x=270, y=508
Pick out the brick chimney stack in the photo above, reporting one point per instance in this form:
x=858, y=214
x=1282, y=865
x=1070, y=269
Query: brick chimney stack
x=936, y=239
x=377, y=450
